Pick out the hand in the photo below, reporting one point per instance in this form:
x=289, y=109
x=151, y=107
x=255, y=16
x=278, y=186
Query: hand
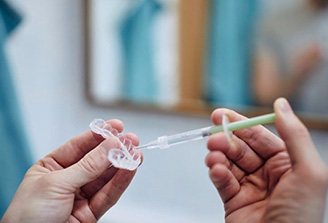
x=263, y=178
x=75, y=183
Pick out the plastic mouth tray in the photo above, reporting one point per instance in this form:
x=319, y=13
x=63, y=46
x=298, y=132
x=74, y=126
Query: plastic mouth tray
x=124, y=157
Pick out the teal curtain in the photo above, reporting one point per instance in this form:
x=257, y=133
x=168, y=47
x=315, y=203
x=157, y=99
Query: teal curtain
x=139, y=82
x=14, y=152
x=228, y=64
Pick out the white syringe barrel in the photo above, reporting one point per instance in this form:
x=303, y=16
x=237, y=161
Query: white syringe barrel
x=166, y=141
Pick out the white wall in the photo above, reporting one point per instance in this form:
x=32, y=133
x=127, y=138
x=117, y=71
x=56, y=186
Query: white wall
x=47, y=61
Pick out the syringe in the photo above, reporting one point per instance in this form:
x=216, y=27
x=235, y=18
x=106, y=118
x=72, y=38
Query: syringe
x=164, y=142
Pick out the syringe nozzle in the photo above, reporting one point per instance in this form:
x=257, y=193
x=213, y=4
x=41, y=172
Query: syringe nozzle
x=150, y=145
x=160, y=143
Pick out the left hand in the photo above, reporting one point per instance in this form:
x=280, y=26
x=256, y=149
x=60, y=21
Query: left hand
x=75, y=183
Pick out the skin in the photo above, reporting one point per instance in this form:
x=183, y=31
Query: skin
x=265, y=178
x=75, y=183
x=259, y=176
x=269, y=83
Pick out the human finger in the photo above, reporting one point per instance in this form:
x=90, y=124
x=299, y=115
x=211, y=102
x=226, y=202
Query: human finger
x=113, y=123
x=224, y=181
x=107, y=196
x=295, y=135
x=261, y=140
x=215, y=157
x=91, y=188
x=133, y=138
x=91, y=166
x=76, y=148
x=236, y=150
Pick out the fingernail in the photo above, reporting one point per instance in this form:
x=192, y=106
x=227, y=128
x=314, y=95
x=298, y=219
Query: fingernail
x=284, y=105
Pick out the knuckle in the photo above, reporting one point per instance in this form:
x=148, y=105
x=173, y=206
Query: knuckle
x=208, y=160
x=89, y=166
x=87, y=216
x=214, y=158
x=111, y=142
x=109, y=199
x=240, y=152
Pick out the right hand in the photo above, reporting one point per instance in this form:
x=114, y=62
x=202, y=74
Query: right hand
x=263, y=178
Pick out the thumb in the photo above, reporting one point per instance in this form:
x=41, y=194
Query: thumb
x=91, y=166
x=295, y=135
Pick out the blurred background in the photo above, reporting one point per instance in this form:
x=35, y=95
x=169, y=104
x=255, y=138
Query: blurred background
x=64, y=63
x=239, y=54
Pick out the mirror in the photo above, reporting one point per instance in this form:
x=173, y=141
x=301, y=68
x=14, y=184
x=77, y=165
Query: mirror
x=192, y=56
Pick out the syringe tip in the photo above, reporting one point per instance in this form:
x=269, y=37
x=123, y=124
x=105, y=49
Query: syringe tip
x=150, y=145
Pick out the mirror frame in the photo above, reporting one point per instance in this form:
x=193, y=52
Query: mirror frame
x=192, y=39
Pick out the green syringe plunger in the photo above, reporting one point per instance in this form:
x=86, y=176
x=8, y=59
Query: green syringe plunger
x=164, y=142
